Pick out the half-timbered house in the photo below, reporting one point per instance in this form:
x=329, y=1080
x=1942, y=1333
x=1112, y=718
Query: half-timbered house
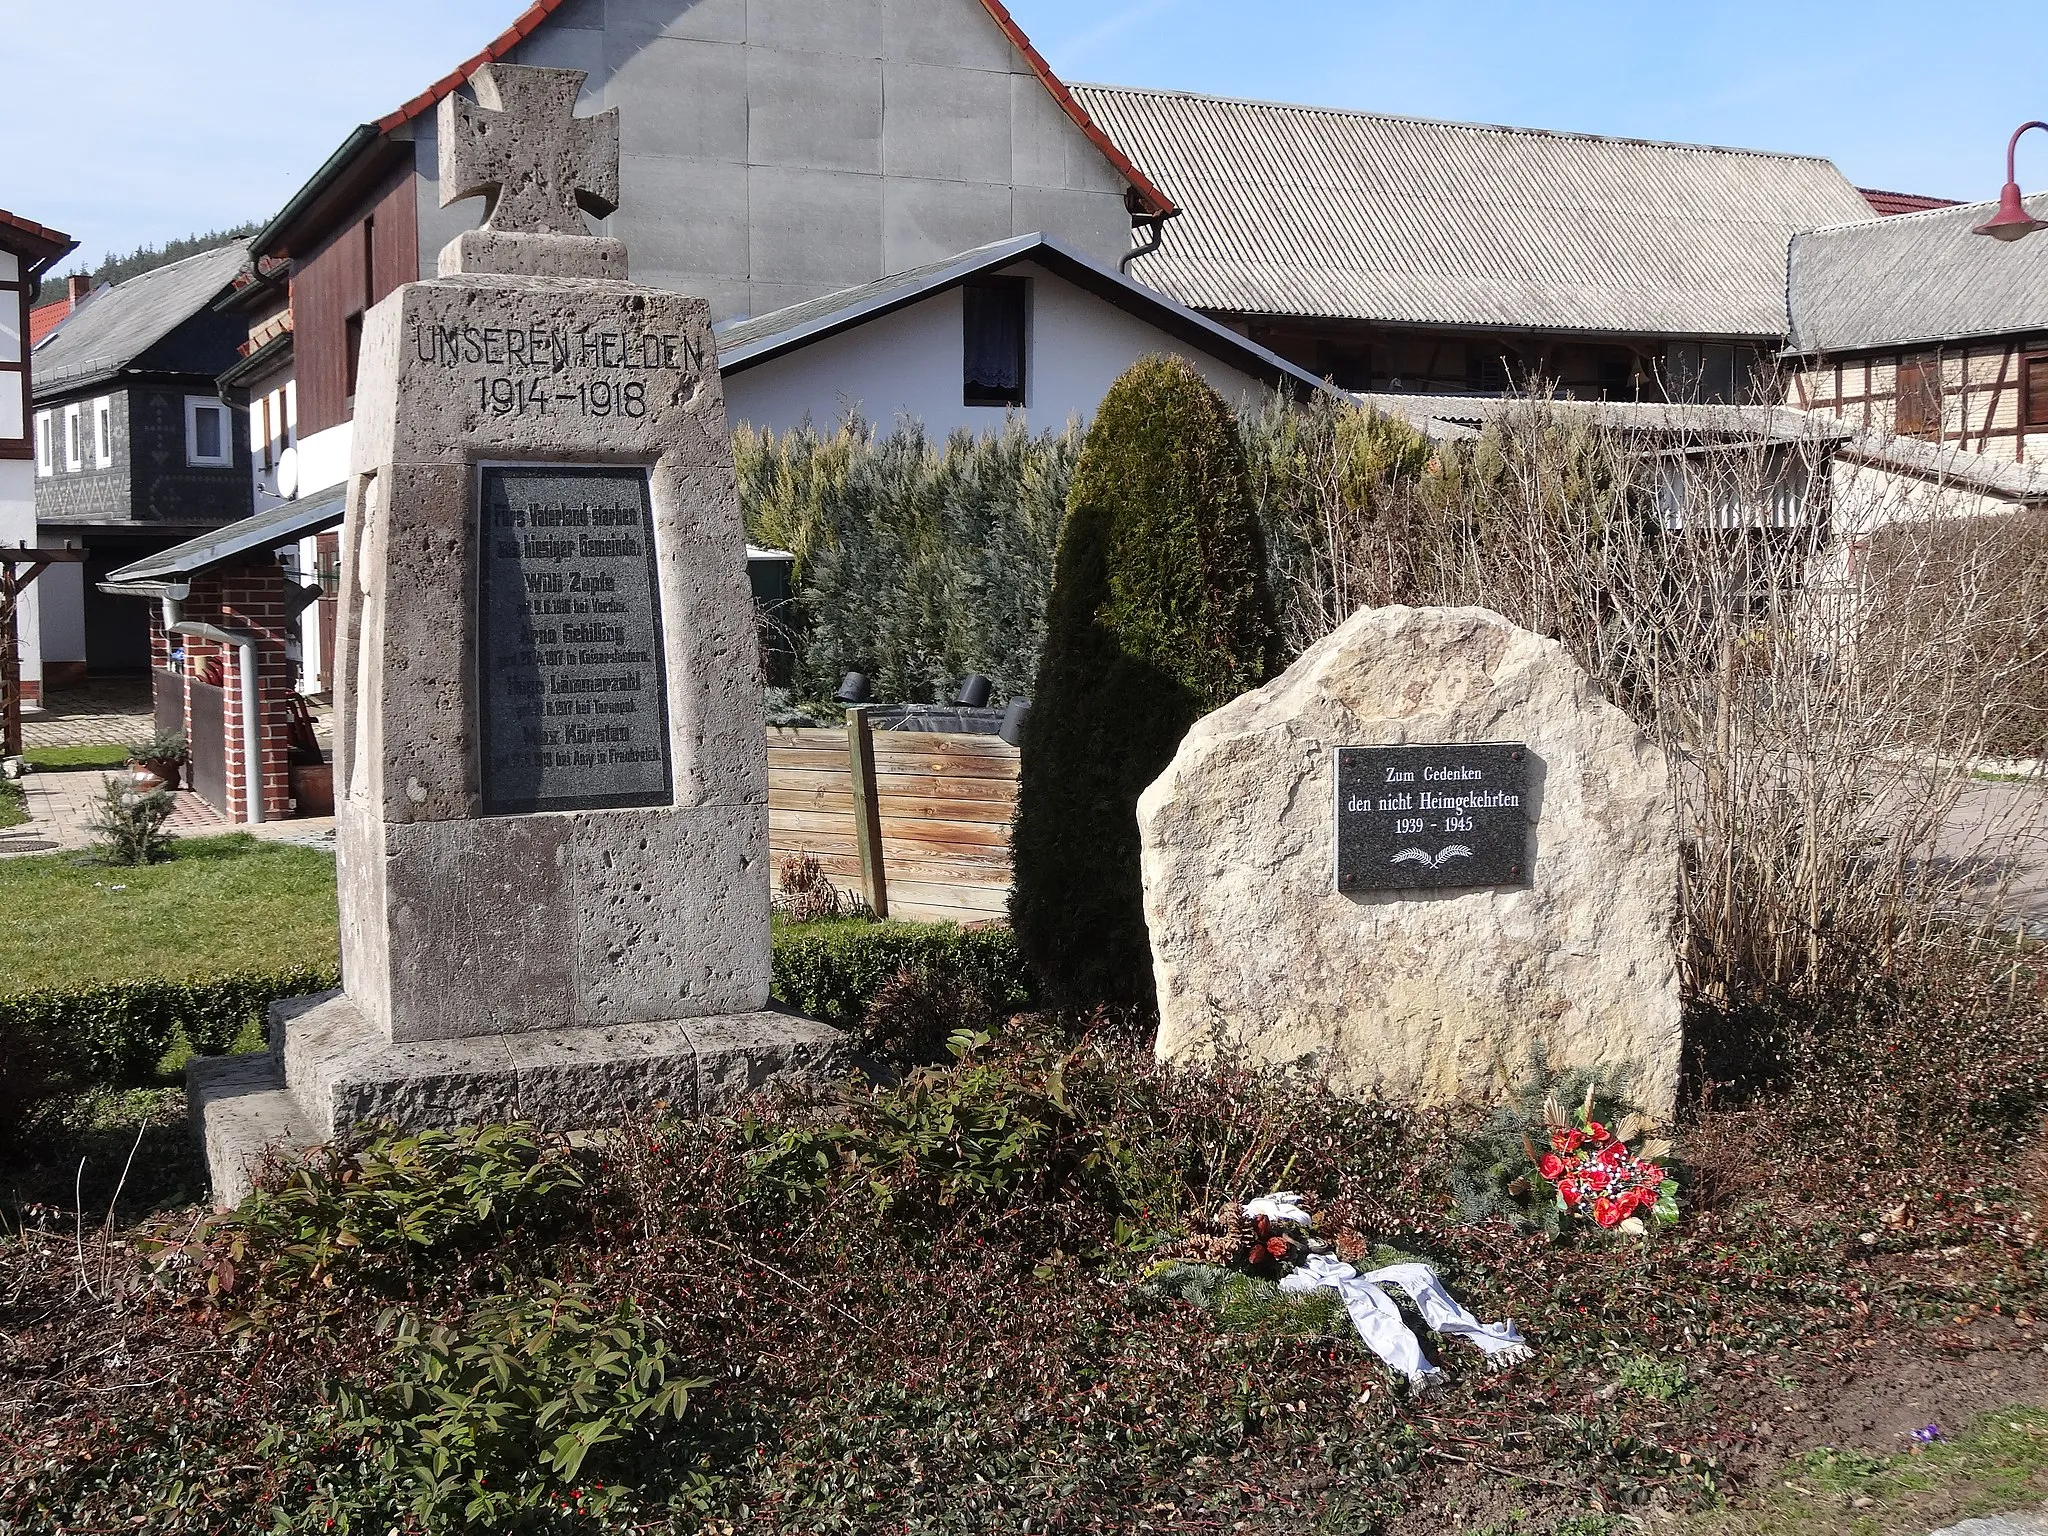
x=1914, y=326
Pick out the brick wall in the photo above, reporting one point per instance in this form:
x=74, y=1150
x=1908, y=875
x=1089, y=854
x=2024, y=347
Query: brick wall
x=247, y=598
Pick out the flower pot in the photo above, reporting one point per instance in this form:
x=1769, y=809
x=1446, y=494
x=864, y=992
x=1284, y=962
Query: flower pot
x=155, y=772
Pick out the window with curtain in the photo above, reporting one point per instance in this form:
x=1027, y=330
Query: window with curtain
x=993, y=341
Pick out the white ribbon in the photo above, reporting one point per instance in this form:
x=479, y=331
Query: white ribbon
x=1281, y=1205
x=1378, y=1320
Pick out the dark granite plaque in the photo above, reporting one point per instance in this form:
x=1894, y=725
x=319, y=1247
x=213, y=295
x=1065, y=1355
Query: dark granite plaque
x=1432, y=818
x=573, y=704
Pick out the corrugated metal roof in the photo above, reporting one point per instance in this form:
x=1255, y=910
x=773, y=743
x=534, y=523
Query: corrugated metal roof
x=743, y=343
x=1915, y=278
x=119, y=324
x=268, y=530
x=1445, y=417
x=1317, y=212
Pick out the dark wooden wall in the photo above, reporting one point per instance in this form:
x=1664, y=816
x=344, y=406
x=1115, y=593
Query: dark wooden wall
x=340, y=280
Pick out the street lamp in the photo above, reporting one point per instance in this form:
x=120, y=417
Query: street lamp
x=2012, y=221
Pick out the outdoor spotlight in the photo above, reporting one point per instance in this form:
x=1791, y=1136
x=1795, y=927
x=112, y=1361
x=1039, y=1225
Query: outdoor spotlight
x=974, y=691
x=854, y=690
x=1012, y=729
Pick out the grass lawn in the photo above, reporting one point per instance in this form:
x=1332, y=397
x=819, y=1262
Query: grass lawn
x=12, y=812
x=1997, y=1464
x=60, y=759
x=216, y=904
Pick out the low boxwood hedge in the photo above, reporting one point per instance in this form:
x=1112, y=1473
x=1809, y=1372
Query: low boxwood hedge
x=118, y=1035
x=832, y=970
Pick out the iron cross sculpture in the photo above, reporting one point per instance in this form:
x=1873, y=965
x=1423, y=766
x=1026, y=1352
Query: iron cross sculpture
x=521, y=144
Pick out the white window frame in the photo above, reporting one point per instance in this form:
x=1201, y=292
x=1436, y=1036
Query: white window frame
x=103, y=432
x=194, y=404
x=74, y=450
x=46, y=450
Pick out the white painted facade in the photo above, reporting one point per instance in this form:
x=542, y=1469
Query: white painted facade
x=18, y=526
x=909, y=364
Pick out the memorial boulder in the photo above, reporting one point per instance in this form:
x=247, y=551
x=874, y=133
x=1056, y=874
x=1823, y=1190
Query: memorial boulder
x=1425, y=851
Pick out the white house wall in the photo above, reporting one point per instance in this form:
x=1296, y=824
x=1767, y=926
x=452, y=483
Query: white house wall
x=908, y=364
x=775, y=150
x=18, y=526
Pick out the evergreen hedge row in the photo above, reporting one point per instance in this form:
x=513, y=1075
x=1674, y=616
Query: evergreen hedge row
x=831, y=970
x=117, y=1035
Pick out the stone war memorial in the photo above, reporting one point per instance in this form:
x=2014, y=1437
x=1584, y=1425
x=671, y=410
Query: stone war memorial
x=550, y=763
x=1427, y=850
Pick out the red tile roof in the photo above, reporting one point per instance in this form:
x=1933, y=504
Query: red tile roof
x=1889, y=203
x=1152, y=201
x=44, y=318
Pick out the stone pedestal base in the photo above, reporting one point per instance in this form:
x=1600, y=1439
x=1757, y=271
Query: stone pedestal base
x=328, y=1069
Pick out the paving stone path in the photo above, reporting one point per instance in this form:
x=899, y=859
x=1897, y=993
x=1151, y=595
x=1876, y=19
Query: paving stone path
x=103, y=712
x=2027, y=1523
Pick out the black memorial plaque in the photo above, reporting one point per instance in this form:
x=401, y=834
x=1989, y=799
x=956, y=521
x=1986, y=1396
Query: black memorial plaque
x=1432, y=818
x=573, y=701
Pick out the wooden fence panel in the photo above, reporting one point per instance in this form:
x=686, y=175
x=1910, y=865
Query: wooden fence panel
x=946, y=803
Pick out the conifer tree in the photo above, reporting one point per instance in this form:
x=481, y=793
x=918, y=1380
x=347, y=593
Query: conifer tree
x=1159, y=613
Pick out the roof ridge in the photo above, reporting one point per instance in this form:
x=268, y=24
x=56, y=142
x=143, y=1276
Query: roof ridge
x=1448, y=122
x=172, y=266
x=1951, y=211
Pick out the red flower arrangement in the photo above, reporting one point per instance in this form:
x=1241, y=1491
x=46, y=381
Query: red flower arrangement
x=1596, y=1175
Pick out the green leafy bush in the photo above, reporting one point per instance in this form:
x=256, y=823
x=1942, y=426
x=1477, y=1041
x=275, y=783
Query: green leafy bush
x=384, y=1210
x=1159, y=613
x=976, y=1140
x=832, y=971
x=120, y=1033
x=534, y=1405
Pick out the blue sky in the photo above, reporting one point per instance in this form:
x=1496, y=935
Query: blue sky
x=156, y=118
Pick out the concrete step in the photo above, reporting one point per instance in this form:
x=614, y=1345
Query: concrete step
x=242, y=1112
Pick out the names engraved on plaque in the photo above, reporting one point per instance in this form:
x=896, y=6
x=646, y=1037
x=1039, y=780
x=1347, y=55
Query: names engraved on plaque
x=1432, y=818
x=573, y=702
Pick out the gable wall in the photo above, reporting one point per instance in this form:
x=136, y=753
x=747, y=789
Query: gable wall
x=775, y=150
x=909, y=363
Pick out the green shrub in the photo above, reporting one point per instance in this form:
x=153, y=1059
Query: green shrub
x=832, y=971
x=532, y=1407
x=128, y=823
x=1160, y=612
x=120, y=1033
x=987, y=1135
x=384, y=1210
